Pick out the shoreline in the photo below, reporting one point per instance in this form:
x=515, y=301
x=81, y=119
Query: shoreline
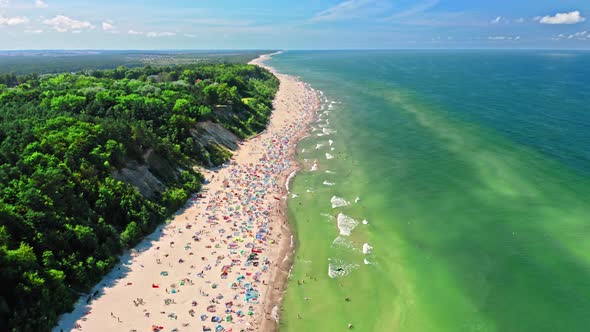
x=286, y=255
x=137, y=277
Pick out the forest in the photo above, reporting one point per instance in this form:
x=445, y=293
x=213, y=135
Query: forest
x=54, y=61
x=64, y=215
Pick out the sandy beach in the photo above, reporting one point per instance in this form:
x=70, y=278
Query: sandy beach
x=222, y=263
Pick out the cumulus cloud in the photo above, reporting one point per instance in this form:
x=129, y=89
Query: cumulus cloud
x=63, y=23
x=41, y=4
x=160, y=34
x=562, y=18
x=16, y=20
x=106, y=26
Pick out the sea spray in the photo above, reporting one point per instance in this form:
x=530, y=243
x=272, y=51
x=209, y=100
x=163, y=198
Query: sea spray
x=337, y=268
x=367, y=249
x=343, y=242
x=346, y=224
x=338, y=202
x=329, y=156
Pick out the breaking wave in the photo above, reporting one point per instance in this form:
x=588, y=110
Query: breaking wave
x=338, y=202
x=346, y=224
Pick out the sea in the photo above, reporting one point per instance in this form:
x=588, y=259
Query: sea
x=442, y=191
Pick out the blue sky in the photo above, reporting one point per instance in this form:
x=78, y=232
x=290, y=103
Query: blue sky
x=300, y=24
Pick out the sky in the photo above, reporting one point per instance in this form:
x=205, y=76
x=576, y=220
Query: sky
x=294, y=24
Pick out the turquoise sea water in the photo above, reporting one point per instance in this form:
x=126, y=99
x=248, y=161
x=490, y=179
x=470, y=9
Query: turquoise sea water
x=473, y=173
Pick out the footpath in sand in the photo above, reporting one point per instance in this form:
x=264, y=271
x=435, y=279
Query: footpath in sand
x=219, y=265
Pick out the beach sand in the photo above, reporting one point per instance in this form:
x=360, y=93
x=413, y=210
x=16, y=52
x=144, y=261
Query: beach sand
x=222, y=262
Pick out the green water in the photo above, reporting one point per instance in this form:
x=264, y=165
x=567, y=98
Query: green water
x=472, y=170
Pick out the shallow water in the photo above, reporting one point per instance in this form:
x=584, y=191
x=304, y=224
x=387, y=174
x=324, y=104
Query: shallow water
x=471, y=171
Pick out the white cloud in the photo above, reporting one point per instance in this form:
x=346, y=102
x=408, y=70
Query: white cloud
x=63, y=24
x=519, y=20
x=500, y=38
x=160, y=34
x=220, y=22
x=3, y=3
x=505, y=20
x=34, y=31
x=416, y=9
x=41, y=4
x=582, y=35
x=106, y=26
x=190, y=36
x=16, y=20
x=133, y=32
x=562, y=18
x=350, y=9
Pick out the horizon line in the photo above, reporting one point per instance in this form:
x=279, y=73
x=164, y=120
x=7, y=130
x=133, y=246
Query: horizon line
x=294, y=49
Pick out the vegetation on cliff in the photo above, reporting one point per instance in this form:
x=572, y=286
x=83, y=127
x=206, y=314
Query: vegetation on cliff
x=65, y=215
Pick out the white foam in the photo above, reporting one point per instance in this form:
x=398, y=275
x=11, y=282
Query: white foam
x=275, y=313
x=329, y=156
x=328, y=131
x=330, y=172
x=302, y=150
x=367, y=249
x=314, y=167
x=357, y=199
x=289, y=178
x=331, y=149
x=342, y=242
x=338, y=202
x=320, y=135
x=328, y=216
x=366, y=261
x=331, y=142
x=365, y=222
x=346, y=224
x=338, y=268
x=309, y=190
x=318, y=146
x=328, y=183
